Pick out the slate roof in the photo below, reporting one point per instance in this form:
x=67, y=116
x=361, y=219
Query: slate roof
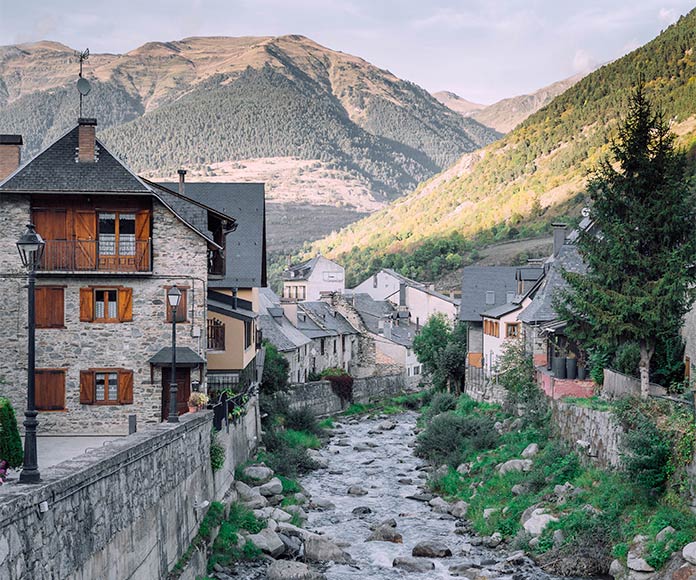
x=477, y=280
x=55, y=170
x=420, y=286
x=327, y=317
x=184, y=356
x=541, y=308
x=275, y=326
x=245, y=247
x=372, y=311
x=300, y=271
x=499, y=311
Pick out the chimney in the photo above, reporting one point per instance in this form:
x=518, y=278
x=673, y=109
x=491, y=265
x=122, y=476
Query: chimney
x=559, y=236
x=10, y=154
x=87, y=140
x=402, y=294
x=182, y=180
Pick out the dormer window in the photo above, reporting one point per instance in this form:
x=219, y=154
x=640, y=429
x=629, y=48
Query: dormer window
x=490, y=297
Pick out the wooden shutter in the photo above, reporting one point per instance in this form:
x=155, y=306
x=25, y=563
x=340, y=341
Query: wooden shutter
x=50, y=389
x=86, y=305
x=49, y=306
x=86, y=387
x=85, y=236
x=182, y=308
x=125, y=387
x=125, y=304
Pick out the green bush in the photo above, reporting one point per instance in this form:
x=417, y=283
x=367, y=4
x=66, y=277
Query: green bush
x=627, y=358
x=217, y=452
x=10, y=441
x=440, y=403
x=303, y=420
x=647, y=454
x=284, y=458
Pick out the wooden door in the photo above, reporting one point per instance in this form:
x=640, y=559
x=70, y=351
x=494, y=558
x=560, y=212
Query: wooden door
x=183, y=383
x=51, y=224
x=85, y=240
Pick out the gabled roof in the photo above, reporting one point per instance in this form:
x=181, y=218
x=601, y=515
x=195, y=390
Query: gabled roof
x=184, y=356
x=373, y=311
x=275, y=326
x=327, y=317
x=499, y=311
x=245, y=246
x=420, y=286
x=541, y=308
x=301, y=271
x=477, y=281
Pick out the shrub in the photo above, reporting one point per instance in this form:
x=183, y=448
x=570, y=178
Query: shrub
x=440, y=403
x=285, y=459
x=273, y=409
x=303, y=420
x=627, y=358
x=342, y=386
x=10, y=441
x=646, y=455
x=217, y=452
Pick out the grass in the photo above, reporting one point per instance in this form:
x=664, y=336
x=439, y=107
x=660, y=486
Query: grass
x=391, y=406
x=225, y=550
x=327, y=423
x=596, y=403
x=301, y=439
x=289, y=485
x=212, y=519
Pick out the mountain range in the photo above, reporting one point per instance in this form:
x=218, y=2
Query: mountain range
x=514, y=187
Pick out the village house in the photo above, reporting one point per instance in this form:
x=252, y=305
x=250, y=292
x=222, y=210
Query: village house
x=308, y=280
x=421, y=300
x=115, y=244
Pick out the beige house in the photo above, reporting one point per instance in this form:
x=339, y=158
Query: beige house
x=310, y=279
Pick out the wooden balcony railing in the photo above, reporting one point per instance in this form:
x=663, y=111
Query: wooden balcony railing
x=216, y=334
x=96, y=256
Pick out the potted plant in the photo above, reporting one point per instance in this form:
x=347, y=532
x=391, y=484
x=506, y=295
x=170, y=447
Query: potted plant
x=197, y=401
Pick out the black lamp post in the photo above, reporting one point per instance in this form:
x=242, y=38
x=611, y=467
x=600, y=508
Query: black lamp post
x=30, y=246
x=173, y=297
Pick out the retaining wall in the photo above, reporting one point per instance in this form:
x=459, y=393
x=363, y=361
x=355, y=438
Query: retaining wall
x=126, y=510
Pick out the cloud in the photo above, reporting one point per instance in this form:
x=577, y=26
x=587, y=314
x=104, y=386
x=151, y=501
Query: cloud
x=667, y=15
x=583, y=61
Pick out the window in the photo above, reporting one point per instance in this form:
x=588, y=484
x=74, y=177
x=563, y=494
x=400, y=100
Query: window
x=49, y=306
x=687, y=368
x=116, y=234
x=322, y=346
x=334, y=345
x=343, y=343
x=49, y=389
x=248, y=331
x=106, y=387
x=181, y=310
x=512, y=330
x=106, y=304
x=491, y=328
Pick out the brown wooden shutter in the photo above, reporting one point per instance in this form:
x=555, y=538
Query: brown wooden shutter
x=49, y=307
x=50, y=389
x=125, y=387
x=142, y=236
x=86, y=305
x=85, y=236
x=86, y=387
x=125, y=304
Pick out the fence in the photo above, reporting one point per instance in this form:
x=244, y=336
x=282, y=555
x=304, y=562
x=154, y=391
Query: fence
x=617, y=384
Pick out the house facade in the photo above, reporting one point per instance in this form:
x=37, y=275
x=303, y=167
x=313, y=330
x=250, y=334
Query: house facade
x=308, y=280
x=114, y=246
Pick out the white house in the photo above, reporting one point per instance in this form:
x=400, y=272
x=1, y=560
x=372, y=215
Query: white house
x=308, y=280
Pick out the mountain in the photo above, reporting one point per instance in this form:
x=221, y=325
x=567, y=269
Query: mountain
x=320, y=126
x=514, y=187
x=505, y=115
x=457, y=103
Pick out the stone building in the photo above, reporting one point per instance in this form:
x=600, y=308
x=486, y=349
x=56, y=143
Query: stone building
x=115, y=244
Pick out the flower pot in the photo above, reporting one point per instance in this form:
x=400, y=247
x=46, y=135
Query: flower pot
x=559, y=367
x=192, y=409
x=582, y=373
x=571, y=368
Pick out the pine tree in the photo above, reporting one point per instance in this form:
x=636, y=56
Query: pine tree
x=640, y=251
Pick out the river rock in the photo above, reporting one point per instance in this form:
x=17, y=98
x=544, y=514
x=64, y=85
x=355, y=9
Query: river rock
x=420, y=496
x=387, y=425
x=356, y=490
x=413, y=564
x=323, y=504
x=431, y=549
x=689, y=553
x=296, y=510
x=318, y=549
x=530, y=451
x=388, y=523
x=405, y=481
x=515, y=465
x=636, y=555
x=269, y=542
x=518, y=489
x=661, y=536
x=439, y=505
x=318, y=458
x=464, y=468
x=459, y=509
x=361, y=511
x=465, y=571
x=493, y=541
x=258, y=473
x=291, y=530
x=488, y=512
x=293, y=545
x=273, y=487
x=441, y=472
x=256, y=502
x=385, y=534
x=286, y=570
x=537, y=521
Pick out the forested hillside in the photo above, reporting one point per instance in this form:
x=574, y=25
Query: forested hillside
x=204, y=101
x=517, y=185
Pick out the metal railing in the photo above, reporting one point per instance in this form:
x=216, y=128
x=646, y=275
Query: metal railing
x=96, y=256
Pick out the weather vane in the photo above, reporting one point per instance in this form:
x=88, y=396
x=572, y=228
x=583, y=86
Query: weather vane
x=83, y=86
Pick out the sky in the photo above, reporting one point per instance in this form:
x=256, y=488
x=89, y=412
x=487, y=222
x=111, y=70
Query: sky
x=483, y=50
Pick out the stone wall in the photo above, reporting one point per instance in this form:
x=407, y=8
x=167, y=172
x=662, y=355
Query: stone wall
x=320, y=398
x=179, y=257
x=126, y=510
x=592, y=433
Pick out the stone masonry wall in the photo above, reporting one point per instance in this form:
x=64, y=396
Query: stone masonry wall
x=320, y=398
x=125, y=510
x=598, y=434
x=180, y=256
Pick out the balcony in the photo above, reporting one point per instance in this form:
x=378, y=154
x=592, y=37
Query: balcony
x=216, y=334
x=124, y=256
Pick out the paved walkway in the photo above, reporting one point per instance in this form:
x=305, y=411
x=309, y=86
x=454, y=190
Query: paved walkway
x=54, y=450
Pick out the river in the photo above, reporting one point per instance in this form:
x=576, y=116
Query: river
x=381, y=462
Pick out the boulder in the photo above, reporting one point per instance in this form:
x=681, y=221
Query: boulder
x=635, y=560
x=356, y=490
x=318, y=458
x=459, y=509
x=558, y=538
x=518, y=489
x=387, y=425
x=268, y=542
x=515, y=465
x=537, y=521
x=361, y=511
x=661, y=536
x=431, y=549
x=318, y=549
x=488, y=512
x=291, y=530
x=440, y=472
x=293, y=545
x=405, y=481
x=689, y=553
x=256, y=502
x=617, y=570
x=388, y=523
x=244, y=491
x=286, y=570
x=420, y=496
x=439, y=505
x=258, y=473
x=530, y=451
x=464, y=468
x=385, y=534
x=413, y=564
x=296, y=510
x=273, y=487
x=323, y=504
x=493, y=541
x=464, y=571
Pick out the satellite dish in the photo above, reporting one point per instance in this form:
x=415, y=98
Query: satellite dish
x=83, y=86
x=585, y=212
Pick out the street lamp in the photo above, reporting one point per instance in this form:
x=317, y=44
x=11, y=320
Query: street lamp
x=173, y=297
x=30, y=246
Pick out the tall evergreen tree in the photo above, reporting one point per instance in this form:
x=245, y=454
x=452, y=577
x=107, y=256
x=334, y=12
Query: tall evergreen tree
x=640, y=252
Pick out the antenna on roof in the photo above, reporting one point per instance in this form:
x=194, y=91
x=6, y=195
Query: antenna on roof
x=83, y=86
